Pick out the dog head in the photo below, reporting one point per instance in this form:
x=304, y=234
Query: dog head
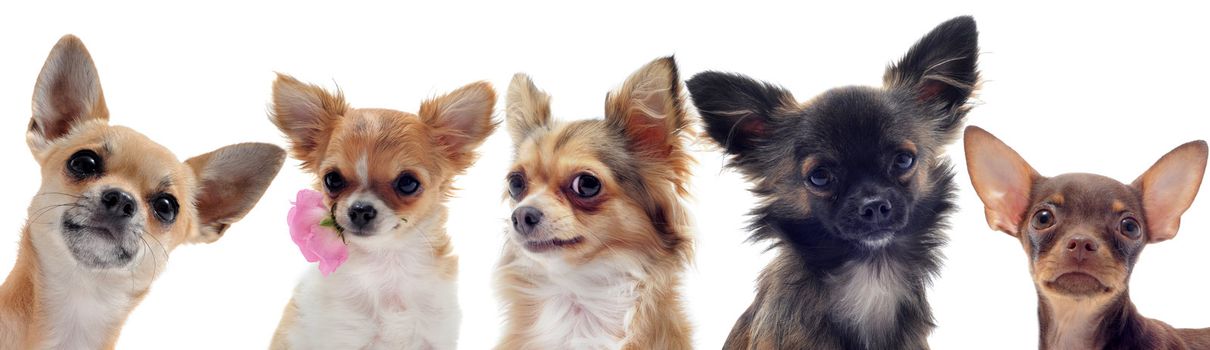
x=1082, y=232
x=589, y=188
x=382, y=170
x=111, y=198
x=860, y=164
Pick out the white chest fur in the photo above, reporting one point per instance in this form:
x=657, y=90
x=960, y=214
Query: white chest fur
x=583, y=307
x=868, y=297
x=84, y=308
x=393, y=298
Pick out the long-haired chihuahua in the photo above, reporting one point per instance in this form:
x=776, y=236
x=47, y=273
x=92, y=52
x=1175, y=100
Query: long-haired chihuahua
x=598, y=237
x=854, y=187
x=386, y=176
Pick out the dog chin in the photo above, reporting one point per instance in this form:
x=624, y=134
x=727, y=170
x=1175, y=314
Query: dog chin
x=1078, y=284
x=878, y=240
x=99, y=247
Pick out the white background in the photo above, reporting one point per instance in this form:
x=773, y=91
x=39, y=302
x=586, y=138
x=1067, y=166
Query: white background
x=1071, y=87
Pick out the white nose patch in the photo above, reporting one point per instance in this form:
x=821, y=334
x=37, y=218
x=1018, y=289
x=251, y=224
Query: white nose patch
x=363, y=170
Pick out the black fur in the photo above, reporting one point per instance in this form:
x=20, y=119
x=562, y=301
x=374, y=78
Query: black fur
x=855, y=133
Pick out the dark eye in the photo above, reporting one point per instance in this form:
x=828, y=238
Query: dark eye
x=586, y=185
x=820, y=177
x=1043, y=219
x=165, y=207
x=407, y=184
x=1130, y=227
x=516, y=185
x=84, y=164
x=334, y=182
x=904, y=161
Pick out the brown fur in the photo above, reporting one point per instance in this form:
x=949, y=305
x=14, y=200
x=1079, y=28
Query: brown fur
x=434, y=146
x=638, y=154
x=1082, y=256
x=69, y=115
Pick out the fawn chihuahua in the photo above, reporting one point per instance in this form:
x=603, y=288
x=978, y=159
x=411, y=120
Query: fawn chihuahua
x=111, y=206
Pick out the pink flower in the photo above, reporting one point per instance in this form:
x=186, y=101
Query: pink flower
x=313, y=232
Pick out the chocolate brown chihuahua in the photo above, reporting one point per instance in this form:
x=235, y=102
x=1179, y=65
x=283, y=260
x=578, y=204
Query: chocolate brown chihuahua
x=1083, y=234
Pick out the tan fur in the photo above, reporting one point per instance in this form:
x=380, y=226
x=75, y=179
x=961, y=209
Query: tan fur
x=69, y=115
x=647, y=116
x=434, y=146
x=1078, y=240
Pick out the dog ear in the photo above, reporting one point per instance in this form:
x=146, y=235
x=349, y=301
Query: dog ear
x=527, y=108
x=461, y=120
x=231, y=180
x=1001, y=177
x=67, y=93
x=307, y=115
x=736, y=110
x=1168, y=188
x=649, y=109
x=940, y=72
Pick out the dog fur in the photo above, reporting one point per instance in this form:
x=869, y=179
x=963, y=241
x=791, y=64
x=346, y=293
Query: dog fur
x=838, y=281
x=82, y=268
x=398, y=287
x=1082, y=255
x=603, y=271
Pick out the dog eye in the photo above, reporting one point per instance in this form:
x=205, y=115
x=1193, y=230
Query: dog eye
x=1043, y=219
x=407, y=184
x=84, y=164
x=516, y=185
x=334, y=182
x=904, y=161
x=586, y=185
x=820, y=177
x=165, y=207
x=1130, y=228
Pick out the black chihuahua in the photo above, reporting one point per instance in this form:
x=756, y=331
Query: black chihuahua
x=854, y=191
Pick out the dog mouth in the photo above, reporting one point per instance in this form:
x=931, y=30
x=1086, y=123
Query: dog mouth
x=107, y=233
x=1078, y=284
x=878, y=239
x=552, y=244
x=98, y=246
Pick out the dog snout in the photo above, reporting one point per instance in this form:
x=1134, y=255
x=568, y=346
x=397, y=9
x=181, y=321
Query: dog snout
x=361, y=214
x=526, y=219
x=875, y=211
x=117, y=205
x=1080, y=248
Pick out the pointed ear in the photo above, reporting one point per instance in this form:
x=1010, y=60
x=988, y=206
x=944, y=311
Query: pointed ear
x=528, y=107
x=231, y=179
x=1168, y=188
x=649, y=109
x=68, y=93
x=1001, y=177
x=940, y=72
x=461, y=120
x=736, y=110
x=306, y=114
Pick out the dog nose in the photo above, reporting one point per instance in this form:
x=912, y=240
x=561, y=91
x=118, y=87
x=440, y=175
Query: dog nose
x=361, y=214
x=117, y=204
x=525, y=219
x=875, y=211
x=1081, y=247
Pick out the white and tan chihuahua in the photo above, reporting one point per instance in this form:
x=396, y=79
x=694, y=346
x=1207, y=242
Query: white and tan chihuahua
x=599, y=236
x=112, y=205
x=386, y=176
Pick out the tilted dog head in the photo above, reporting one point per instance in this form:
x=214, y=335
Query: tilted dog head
x=382, y=169
x=111, y=198
x=860, y=164
x=590, y=188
